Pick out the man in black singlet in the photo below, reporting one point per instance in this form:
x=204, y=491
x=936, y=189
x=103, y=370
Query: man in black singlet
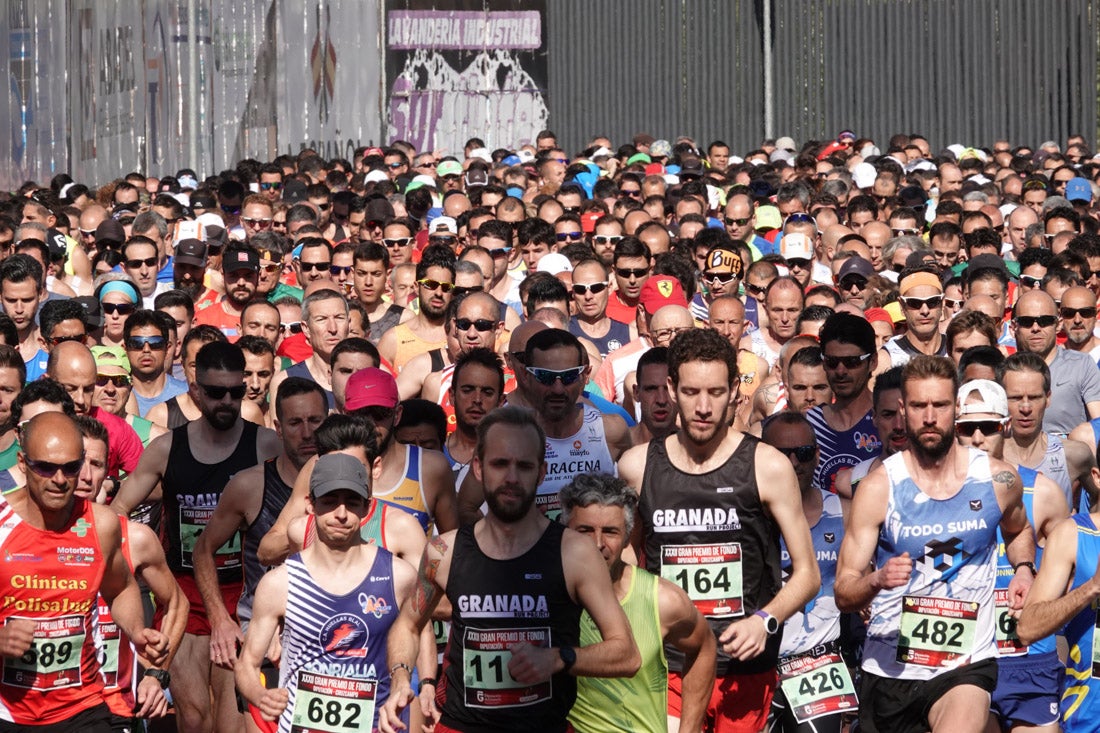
x=170, y=470
x=517, y=584
x=713, y=505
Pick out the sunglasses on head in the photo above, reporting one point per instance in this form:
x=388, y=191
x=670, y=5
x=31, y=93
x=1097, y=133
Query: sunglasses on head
x=46, y=469
x=118, y=380
x=1030, y=321
x=147, y=262
x=217, y=392
x=914, y=304
x=137, y=343
x=594, y=288
x=123, y=309
x=547, y=377
x=436, y=285
x=481, y=324
x=569, y=236
x=801, y=453
x=1070, y=313
x=631, y=272
x=849, y=362
x=988, y=427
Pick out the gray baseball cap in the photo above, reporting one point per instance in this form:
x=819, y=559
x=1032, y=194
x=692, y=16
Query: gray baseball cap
x=336, y=471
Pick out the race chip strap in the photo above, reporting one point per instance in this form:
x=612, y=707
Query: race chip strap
x=936, y=631
x=485, y=657
x=817, y=685
x=709, y=574
x=325, y=704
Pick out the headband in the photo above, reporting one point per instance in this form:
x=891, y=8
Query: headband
x=119, y=286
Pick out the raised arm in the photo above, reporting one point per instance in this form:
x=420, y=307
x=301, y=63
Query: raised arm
x=144, y=479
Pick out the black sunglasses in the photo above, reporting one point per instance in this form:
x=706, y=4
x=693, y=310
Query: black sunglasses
x=629, y=272
x=988, y=427
x=1029, y=321
x=481, y=324
x=216, y=392
x=46, y=469
x=1069, y=313
x=849, y=362
x=801, y=453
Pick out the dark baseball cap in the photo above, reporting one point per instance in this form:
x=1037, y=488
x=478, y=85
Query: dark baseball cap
x=191, y=252
x=336, y=471
x=240, y=259
x=109, y=230
x=855, y=266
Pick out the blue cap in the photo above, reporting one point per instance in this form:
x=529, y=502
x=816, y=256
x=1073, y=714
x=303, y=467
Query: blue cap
x=514, y=191
x=1078, y=189
x=512, y=160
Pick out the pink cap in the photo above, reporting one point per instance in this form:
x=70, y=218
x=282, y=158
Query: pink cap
x=370, y=387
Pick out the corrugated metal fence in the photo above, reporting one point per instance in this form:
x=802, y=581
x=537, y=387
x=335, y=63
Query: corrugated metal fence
x=965, y=72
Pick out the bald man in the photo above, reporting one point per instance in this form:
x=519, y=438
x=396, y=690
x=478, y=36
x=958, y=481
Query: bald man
x=876, y=234
x=72, y=365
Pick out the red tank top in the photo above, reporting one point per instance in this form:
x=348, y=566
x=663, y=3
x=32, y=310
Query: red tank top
x=117, y=660
x=52, y=578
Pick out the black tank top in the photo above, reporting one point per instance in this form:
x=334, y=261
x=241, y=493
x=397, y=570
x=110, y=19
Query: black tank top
x=709, y=534
x=389, y=319
x=498, y=603
x=191, y=492
x=301, y=370
x=276, y=495
x=176, y=418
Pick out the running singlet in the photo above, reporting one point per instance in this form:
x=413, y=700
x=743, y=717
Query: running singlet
x=841, y=449
x=640, y=703
x=760, y=348
x=901, y=351
x=389, y=319
x=408, y=494
x=585, y=451
x=334, y=650
x=53, y=579
x=1054, y=467
x=276, y=494
x=712, y=536
x=617, y=336
x=191, y=491
x=114, y=652
x=1081, y=690
x=945, y=616
x=410, y=345
x=819, y=622
x=301, y=370
x=496, y=604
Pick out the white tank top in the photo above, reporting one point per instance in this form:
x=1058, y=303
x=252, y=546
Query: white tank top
x=585, y=451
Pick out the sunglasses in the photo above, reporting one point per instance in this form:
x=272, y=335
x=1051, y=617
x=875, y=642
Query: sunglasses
x=628, y=273
x=55, y=340
x=988, y=427
x=340, y=269
x=46, y=469
x=667, y=334
x=256, y=223
x=799, y=218
x=953, y=303
x=594, y=288
x=123, y=309
x=798, y=263
x=87, y=233
x=374, y=224
x=1068, y=313
x=569, y=236
x=231, y=210
x=1030, y=321
x=310, y=266
x=547, y=377
x=216, y=392
x=849, y=362
x=294, y=327
x=460, y=290
x=857, y=282
x=719, y=278
x=118, y=380
x=398, y=242
x=905, y=231
x=757, y=291
x=436, y=285
x=395, y=166
x=801, y=453
x=481, y=324
x=914, y=304
x=271, y=266
x=500, y=252
x=631, y=192
x=738, y=222
x=324, y=207
x=607, y=238
x=445, y=241
x=275, y=186
x=137, y=343
x=147, y=262
x=1029, y=281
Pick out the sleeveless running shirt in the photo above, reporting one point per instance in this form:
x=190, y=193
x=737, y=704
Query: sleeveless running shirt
x=585, y=451
x=389, y=319
x=640, y=703
x=945, y=616
x=498, y=603
x=617, y=336
x=709, y=534
x=301, y=370
x=191, y=491
x=276, y=494
x=334, y=649
x=901, y=351
x=114, y=652
x=1081, y=690
x=53, y=579
x=410, y=345
x=841, y=449
x=1054, y=467
x=408, y=494
x=819, y=622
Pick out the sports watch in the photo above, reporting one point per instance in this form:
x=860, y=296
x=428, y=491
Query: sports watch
x=771, y=623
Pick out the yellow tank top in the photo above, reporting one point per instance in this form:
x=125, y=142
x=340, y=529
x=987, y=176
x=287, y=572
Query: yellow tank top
x=408, y=494
x=639, y=703
x=410, y=345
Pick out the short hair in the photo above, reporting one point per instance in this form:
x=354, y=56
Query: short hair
x=205, y=334
x=551, y=338
x=340, y=432
x=1024, y=361
x=94, y=429
x=967, y=321
x=924, y=366
x=8, y=330
x=355, y=345
x=372, y=252
x=807, y=356
x=814, y=313
x=416, y=411
x=848, y=329
x=888, y=380
x=435, y=255
x=482, y=357
x=542, y=290
x=294, y=386
x=142, y=318
x=41, y=390
x=175, y=299
x=656, y=355
x=987, y=356
x=787, y=417
x=54, y=312
x=220, y=356
x=602, y=489
x=827, y=290
x=1035, y=256
x=515, y=417
x=10, y=358
x=701, y=344
x=316, y=297
x=19, y=268
x=256, y=345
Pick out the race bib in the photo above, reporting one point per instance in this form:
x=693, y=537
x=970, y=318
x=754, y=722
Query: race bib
x=549, y=505
x=817, y=685
x=107, y=639
x=193, y=520
x=485, y=657
x=936, y=631
x=442, y=631
x=1096, y=647
x=709, y=574
x=325, y=704
x=53, y=661
x=1008, y=642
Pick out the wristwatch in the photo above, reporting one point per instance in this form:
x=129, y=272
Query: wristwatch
x=1029, y=565
x=568, y=657
x=161, y=676
x=771, y=623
